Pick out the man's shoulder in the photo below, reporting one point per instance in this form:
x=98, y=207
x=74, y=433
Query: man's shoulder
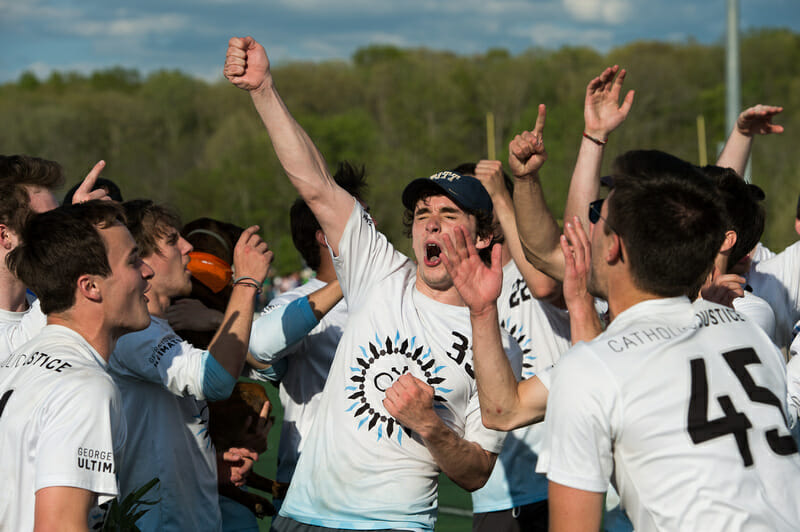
x=142, y=350
x=296, y=293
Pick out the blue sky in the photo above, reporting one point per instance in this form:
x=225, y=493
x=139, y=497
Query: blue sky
x=191, y=35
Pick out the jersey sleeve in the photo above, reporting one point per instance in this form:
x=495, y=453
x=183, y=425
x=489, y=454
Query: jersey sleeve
x=365, y=257
x=280, y=327
x=160, y=356
x=15, y=334
x=579, y=423
x=778, y=281
x=82, y=435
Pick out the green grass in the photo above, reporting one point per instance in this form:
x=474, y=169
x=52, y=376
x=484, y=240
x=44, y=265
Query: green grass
x=450, y=495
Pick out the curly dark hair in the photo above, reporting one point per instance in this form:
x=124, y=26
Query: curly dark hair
x=485, y=226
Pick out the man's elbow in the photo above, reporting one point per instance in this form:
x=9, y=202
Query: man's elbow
x=476, y=483
x=477, y=479
x=508, y=422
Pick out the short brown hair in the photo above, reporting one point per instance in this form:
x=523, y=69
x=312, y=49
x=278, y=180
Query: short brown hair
x=148, y=222
x=16, y=173
x=61, y=245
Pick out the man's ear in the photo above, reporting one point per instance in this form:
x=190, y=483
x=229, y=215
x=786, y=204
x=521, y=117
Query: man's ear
x=797, y=225
x=8, y=238
x=89, y=287
x=729, y=242
x=615, y=250
x=320, y=237
x=483, y=242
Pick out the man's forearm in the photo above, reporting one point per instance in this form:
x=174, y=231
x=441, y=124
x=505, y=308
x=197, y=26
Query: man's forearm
x=502, y=406
x=466, y=463
x=584, y=187
x=736, y=152
x=538, y=230
x=304, y=164
x=229, y=345
x=541, y=286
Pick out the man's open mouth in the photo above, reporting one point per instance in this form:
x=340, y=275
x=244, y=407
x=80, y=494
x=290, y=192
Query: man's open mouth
x=432, y=252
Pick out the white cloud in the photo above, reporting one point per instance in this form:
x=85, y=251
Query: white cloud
x=604, y=11
x=132, y=27
x=553, y=36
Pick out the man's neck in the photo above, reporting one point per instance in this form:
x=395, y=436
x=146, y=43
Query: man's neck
x=158, y=304
x=623, y=294
x=93, y=331
x=449, y=296
x=12, y=293
x=326, y=272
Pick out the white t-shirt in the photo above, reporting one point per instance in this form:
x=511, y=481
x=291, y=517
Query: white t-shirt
x=359, y=468
x=16, y=328
x=543, y=333
x=60, y=424
x=685, y=405
x=160, y=378
x=309, y=361
x=777, y=280
x=758, y=311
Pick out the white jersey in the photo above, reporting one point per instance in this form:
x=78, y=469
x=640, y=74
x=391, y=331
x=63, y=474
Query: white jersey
x=60, y=424
x=685, y=404
x=543, y=333
x=777, y=280
x=360, y=469
x=760, y=253
x=793, y=383
x=758, y=311
x=160, y=379
x=309, y=361
x=16, y=328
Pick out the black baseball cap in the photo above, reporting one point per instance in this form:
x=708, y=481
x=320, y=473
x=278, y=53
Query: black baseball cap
x=466, y=191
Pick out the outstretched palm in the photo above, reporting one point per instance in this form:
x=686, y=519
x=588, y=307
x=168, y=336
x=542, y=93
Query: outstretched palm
x=602, y=111
x=478, y=284
x=757, y=120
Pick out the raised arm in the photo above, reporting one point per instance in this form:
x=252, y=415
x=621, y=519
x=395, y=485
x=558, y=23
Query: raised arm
x=247, y=67
x=505, y=403
x=251, y=260
x=602, y=114
x=538, y=230
x=583, y=319
x=753, y=121
x=490, y=173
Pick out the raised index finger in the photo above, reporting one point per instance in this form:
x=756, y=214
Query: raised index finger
x=538, y=129
x=88, y=182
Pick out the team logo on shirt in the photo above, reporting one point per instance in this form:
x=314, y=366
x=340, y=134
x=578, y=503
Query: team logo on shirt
x=376, y=369
x=519, y=334
x=201, y=418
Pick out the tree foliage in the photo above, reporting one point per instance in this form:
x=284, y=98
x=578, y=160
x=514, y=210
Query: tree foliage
x=403, y=113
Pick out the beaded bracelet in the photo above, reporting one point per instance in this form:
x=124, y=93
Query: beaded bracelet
x=595, y=140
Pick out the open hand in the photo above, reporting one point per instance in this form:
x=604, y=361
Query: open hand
x=477, y=284
x=602, y=112
x=757, y=120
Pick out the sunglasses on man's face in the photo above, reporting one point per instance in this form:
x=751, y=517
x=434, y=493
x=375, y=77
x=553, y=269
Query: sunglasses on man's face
x=594, y=213
x=594, y=210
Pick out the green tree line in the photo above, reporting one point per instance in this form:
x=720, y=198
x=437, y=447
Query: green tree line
x=402, y=113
